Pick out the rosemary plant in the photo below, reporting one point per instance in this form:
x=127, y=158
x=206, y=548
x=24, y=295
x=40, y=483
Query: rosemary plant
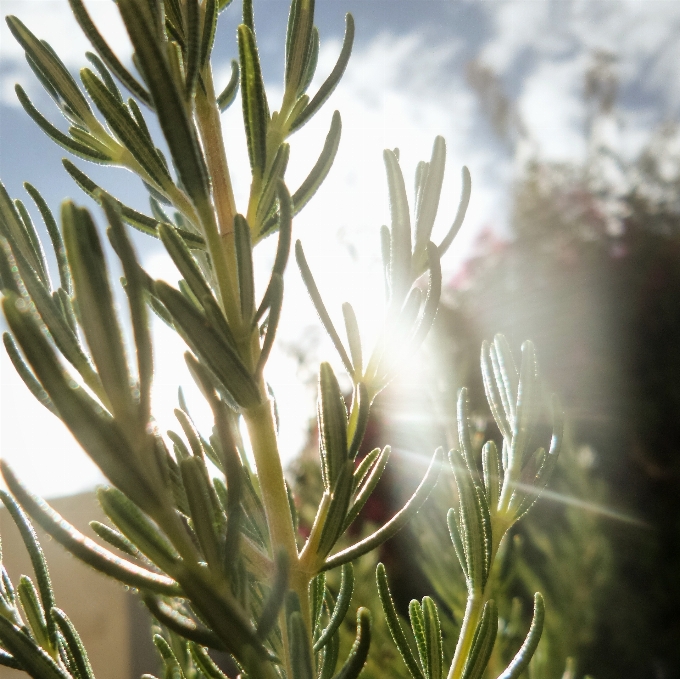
x=210, y=543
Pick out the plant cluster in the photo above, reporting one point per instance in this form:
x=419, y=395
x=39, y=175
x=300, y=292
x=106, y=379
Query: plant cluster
x=209, y=541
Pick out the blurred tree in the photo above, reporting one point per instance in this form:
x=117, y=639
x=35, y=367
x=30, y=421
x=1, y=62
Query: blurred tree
x=592, y=275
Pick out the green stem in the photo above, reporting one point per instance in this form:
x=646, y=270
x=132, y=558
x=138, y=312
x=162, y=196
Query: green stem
x=262, y=432
x=473, y=610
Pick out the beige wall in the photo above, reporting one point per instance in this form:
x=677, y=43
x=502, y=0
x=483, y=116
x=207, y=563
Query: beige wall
x=108, y=618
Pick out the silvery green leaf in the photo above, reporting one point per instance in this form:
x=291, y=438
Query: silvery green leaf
x=75, y=147
x=8, y=660
x=353, y=339
x=141, y=123
x=13, y=227
x=248, y=15
x=35, y=616
x=329, y=659
x=428, y=197
x=312, y=62
x=105, y=75
x=274, y=602
x=178, y=129
x=275, y=302
x=276, y=173
x=385, y=250
x=493, y=395
x=74, y=643
x=184, y=261
x=190, y=432
x=282, y=247
x=228, y=94
x=54, y=234
x=135, y=289
x=218, y=356
x=400, y=231
x=456, y=532
x=298, y=643
x=340, y=609
x=313, y=291
x=331, y=82
x=138, y=528
x=205, y=663
x=9, y=277
x=363, y=406
x=493, y=474
x=367, y=488
x=315, y=177
x=115, y=539
x=208, y=33
x=26, y=374
x=183, y=625
x=193, y=46
x=299, y=44
x=174, y=20
x=364, y=467
x=125, y=127
x=105, y=52
x=84, y=548
x=525, y=409
x=528, y=648
x=434, y=293
x=482, y=642
x=97, y=310
x=61, y=332
x=179, y=447
x=322, y=166
x=359, y=651
x=433, y=637
x=35, y=552
x=332, y=416
x=202, y=510
x=460, y=215
x=101, y=437
x=396, y=523
x=475, y=529
x=317, y=597
x=415, y=614
x=464, y=433
x=52, y=69
x=62, y=298
x=135, y=219
x=244, y=264
x=506, y=374
x=172, y=665
x=337, y=508
x=35, y=245
x=255, y=108
x=33, y=659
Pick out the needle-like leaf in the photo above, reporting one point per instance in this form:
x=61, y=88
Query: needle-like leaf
x=228, y=94
x=255, y=108
x=333, y=79
x=394, y=624
x=84, y=548
x=396, y=523
x=528, y=648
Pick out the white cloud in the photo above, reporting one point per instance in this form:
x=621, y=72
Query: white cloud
x=545, y=47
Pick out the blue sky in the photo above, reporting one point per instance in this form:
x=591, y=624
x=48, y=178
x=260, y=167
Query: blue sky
x=404, y=85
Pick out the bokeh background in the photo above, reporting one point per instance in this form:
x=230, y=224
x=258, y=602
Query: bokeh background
x=566, y=113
